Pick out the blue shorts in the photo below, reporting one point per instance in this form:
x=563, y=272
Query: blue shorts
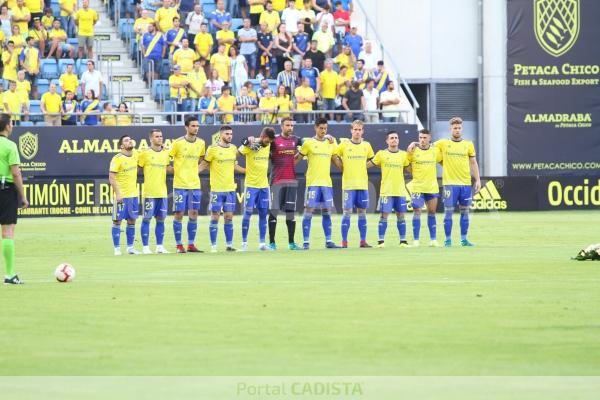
x=128, y=209
x=418, y=200
x=258, y=198
x=222, y=201
x=156, y=207
x=186, y=199
x=318, y=197
x=389, y=204
x=356, y=199
x=457, y=194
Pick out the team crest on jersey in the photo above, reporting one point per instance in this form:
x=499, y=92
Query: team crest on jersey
x=556, y=25
x=28, y=145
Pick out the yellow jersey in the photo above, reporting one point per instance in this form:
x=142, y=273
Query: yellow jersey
x=285, y=104
x=69, y=82
x=345, y=60
x=58, y=34
x=164, y=18
x=318, y=154
x=34, y=6
x=271, y=19
x=32, y=60
x=108, y=120
x=67, y=4
x=52, y=102
x=23, y=90
x=456, y=161
x=268, y=103
x=14, y=102
x=197, y=81
x=257, y=166
x=257, y=8
x=87, y=19
x=203, y=43
x=126, y=168
x=177, y=92
x=329, y=82
x=47, y=22
x=226, y=104
x=225, y=35
x=142, y=25
x=304, y=92
x=424, y=170
x=155, y=165
x=20, y=13
x=222, y=64
x=186, y=156
x=184, y=58
x=222, y=167
x=354, y=159
x=392, y=172
x=10, y=67
x=279, y=5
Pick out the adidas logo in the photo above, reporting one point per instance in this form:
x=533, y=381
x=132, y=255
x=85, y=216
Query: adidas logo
x=488, y=198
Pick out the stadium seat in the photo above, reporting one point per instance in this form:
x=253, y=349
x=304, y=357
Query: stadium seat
x=26, y=123
x=55, y=8
x=236, y=23
x=160, y=90
x=125, y=27
x=170, y=106
x=48, y=68
x=57, y=83
x=272, y=85
x=104, y=92
x=208, y=8
x=43, y=85
x=73, y=42
x=81, y=66
x=62, y=64
x=165, y=69
x=133, y=49
x=34, y=107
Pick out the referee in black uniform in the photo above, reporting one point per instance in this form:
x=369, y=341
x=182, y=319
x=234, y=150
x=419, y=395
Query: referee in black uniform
x=11, y=190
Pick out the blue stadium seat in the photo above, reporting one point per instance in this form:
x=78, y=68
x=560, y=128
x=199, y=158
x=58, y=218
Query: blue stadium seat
x=272, y=85
x=43, y=85
x=34, y=107
x=57, y=83
x=236, y=23
x=104, y=92
x=125, y=27
x=208, y=8
x=160, y=89
x=170, y=106
x=81, y=66
x=48, y=68
x=133, y=49
x=73, y=42
x=26, y=123
x=165, y=69
x=55, y=9
x=62, y=64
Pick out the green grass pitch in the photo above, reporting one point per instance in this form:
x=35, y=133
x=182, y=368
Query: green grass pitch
x=513, y=305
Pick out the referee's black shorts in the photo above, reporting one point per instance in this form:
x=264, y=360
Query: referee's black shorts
x=9, y=204
x=284, y=196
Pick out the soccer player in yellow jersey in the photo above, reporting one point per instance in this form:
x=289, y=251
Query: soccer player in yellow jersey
x=154, y=162
x=123, y=179
x=222, y=158
x=257, y=193
x=460, y=165
x=392, y=193
x=352, y=157
x=424, y=189
x=187, y=152
x=319, y=152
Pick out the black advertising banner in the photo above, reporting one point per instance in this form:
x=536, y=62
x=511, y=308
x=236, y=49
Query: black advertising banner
x=553, y=92
x=87, y=151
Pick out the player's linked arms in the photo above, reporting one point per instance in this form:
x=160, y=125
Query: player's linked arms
x=411, y=147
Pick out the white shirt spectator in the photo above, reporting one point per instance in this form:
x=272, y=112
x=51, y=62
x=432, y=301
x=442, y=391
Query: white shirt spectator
x=387, y=96
x=369, y=58
x=371, y=115
x=323, y=17
x=193, y=21
x=291, y=16
x=247, y=48
x=92, y=81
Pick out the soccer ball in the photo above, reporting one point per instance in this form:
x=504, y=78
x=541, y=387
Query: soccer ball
x=64, y=273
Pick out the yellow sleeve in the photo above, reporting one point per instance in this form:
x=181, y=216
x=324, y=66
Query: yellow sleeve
x=406, y=162
x=209, y=154
x=471, y=149
x=142, y=159
x=173, y=151
x=305, y=149
x=438, y=155
x=370, y=152
x=339, y=150
x=377, y=159
x=114, y=165
x=244, y=150
x=203, y=148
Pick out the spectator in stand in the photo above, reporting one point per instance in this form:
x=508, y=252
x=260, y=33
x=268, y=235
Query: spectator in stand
x=30, y=62
x=325, y=16
x=239, y=70
x=315, y=55
x=1, y=97
x=221, y=63
x=214, y=83
x=36, y=8
x=5, y=21
x=10, y=60
x=184, y=57
x=300, y=46
x=319, y=5
x=108, y=117
x=47, y=19
x=245, y=104
x=68, y=8
x=225, y=36
x=140, y=26
x=197, y=80
x=68, y=80
x=282, y=46
x=305, y=98
x=262, y=89
x=354, y=40
x=23, y=87
x=270, y=17
x=308, y=17
x=265, y=45
x=329, y=84
x=51, y=105
x=123, y=117
x=203, y=42
x=39, y=35
x=278, y=5
x=291, y=17
x=284, y=102
x=59, y=45
x=193, y=21
x=354, y=102
x=312, y=74
x=226, y=104
x=174, y=36
x=92, y=80
x=342, y=24
x=371, y=102
x=344, y=83
x=256, y=9
x=346, y=59
x=17, y=38
x=178, y=89
x=152, y=6
x=218, y=16
x=207, y=105
x=288, y=78
x=69, y=109
x=391, y=104
x=243, y=7
x=20, y=16
x=268, y=108
x=164, y=16
x=250, y=87
x=86, y=18
x=348, y=5
x=360, y=74
x=185, y=6
x=247, y=37
x=381, y=77
x=90, y=108
x=368, y=57
x=153, y=49
x=14, y=103
x=325, y=40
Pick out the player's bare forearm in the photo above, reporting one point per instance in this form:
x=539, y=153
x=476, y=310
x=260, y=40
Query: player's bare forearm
x=475, y=173
x=18, y=181
x=297, y=158
x=239, y=169
x=338, y=163
x=203, y=165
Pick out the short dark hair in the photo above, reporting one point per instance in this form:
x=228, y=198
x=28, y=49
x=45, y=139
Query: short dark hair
x=321, y=121
x=189, y=119
x=270, y=132
x=286, y=119
x=225, y=128
x=153, y=131
x=360, y=60
x=105, y=105
x=4, y=121
x=380, y=62
x=28, y=39
x=391, y=133
x=369, y=81
x=121, y=140
x=425, y=131
x=91, y=61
